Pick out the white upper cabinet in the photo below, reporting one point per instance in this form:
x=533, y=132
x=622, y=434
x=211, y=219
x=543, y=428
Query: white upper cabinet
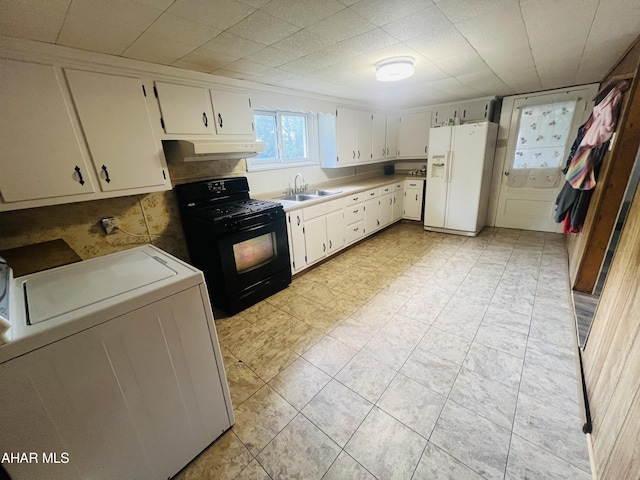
x=364, y=125
x=379, y=143
x=42, y=156
x=117, y=127
x=413, y=139
x=185, y=109
x=391, y=137
x=346, y=134
x=233, y=113
x=475, y=111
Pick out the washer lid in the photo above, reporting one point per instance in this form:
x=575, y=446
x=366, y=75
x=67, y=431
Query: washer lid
x=60, y=291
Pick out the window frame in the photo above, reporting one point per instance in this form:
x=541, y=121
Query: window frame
x=280, y=162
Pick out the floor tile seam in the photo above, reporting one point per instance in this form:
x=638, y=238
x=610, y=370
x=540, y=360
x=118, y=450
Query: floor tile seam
x=550, y=452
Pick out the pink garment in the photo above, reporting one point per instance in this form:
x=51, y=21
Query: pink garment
x=603, y=120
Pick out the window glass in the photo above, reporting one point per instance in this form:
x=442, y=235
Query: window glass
x=294, y=133
x=266, y=131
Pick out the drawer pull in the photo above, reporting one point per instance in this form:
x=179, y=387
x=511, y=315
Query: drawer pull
x=356, y=211
x=355, y=199
x=372, y=194
x=356, y=229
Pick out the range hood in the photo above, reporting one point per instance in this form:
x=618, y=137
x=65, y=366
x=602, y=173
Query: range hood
x=203, y=150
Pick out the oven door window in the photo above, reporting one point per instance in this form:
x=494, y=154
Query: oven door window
x=255, y=252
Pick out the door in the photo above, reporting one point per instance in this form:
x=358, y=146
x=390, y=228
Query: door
x=392, y=136
x=364, y=125
x=185, y=109
x=296, y=245
x=379, y=134
x=371, y=215
x=386, y=209
x=435, y=204
x=398, y=197
x=346, y=133
x=233, y=113
x=335, y=230
x=49, y=163
x=526, y=199
x=414, y=135
x=412, y=200
x=465, y=172
x=315, y=239
x=115, y=121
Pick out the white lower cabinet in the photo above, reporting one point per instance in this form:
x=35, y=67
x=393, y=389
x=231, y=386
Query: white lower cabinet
x=398, y=197
x=315, y=239
x=297, y=249
x=413, y=195
x=386, y=209
x=335, y=231
x=371, y=215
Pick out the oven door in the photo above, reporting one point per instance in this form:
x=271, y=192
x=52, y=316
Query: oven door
x=253, y=254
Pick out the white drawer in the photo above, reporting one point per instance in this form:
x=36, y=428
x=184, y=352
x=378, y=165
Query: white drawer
x=354, y=198
x=414, y=184
x=369, y=194
x=355, y=231
x=398, y=186
x=355, y=213
x=386, y=189
x=323, y=208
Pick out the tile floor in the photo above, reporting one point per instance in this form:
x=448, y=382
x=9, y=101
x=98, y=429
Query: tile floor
x=413, y=355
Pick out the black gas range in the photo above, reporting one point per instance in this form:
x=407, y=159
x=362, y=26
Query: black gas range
x=238, y=242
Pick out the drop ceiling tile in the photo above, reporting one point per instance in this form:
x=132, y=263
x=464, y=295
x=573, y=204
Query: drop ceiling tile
x=302, y=12
x=453, y=86
x=271, y=57
x=245, y=66
x=159, y=4
x=461, y=64
x=371, y=41
x=223, y=72
x=196, y=67
x=301, y=43
x=382, y=12
x=208, y=59
x=462, y=10
x=485, y=82
x=220, y=14
x=263, y=28
x=255, y=3
x=96, y=36
x=344, y=24
x=421, y=23
x=40, y=22
x=115, y=13
x=230, y=44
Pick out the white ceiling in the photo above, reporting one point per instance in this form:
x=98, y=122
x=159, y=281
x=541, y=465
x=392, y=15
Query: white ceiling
x=462, y=48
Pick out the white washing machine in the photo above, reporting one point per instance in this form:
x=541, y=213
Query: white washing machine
x=111, y=369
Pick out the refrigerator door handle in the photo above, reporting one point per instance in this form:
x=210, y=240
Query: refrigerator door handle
x=447, y=174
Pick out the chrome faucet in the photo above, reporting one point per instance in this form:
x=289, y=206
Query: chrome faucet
x=295, y=184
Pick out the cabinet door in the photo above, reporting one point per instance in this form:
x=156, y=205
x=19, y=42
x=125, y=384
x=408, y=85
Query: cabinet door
x=386, y=209
x=42, y=155
x=392, y=137
x=346, y=136
x=185, y=109
x=297, y=247
x=233, y=113
x=335, y=230
x=371, y=215
x=414, y=135
x=474, y=111
x=413, y=199
x=442, y=115
x=379, y=145
x=364, y=125
x=398, y=197
x=315, y=239
x=115, y=121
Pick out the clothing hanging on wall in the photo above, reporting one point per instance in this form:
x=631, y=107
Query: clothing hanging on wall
x=585, y=158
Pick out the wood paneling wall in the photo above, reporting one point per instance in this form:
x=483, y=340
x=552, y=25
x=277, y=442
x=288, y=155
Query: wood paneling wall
x=611, y=359
x=588, y=248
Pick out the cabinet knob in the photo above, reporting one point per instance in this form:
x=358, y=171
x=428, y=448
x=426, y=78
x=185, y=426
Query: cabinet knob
x=205, y=120
x=80, y=179
x=506, y=174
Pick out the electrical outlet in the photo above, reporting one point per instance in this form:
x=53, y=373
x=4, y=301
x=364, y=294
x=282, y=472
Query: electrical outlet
x=109, y=225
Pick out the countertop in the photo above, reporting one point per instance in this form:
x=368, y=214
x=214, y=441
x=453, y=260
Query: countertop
x=344, y=188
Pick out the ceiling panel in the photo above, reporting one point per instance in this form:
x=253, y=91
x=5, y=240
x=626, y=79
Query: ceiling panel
x=461, y=48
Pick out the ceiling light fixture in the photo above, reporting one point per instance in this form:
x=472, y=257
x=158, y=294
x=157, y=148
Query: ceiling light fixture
x=396, y=68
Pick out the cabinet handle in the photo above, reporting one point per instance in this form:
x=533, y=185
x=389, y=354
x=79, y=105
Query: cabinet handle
x=81, y=180
x=356, y=229
x=205, y=120
x=383, y=154
x=372, y=194
x=298, y=217
x=416, y=197
x=355, y=199
x=425, y=149
x=358, y=153
x=106, y=174
x=324, y=247
x=378, y=222
x=330, y=244
x=356, y=211
x=220, y=120
x=354, y=154
x=394, y=199
x=387, y=151
x=391, y=201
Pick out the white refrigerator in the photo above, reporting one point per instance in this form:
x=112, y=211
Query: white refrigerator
x=459, y=171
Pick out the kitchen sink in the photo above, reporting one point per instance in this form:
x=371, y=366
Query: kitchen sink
x=310, y=195
x=323, y=193
x=299, y=197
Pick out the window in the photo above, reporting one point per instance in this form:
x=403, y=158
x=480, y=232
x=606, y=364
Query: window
x=286, y=138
